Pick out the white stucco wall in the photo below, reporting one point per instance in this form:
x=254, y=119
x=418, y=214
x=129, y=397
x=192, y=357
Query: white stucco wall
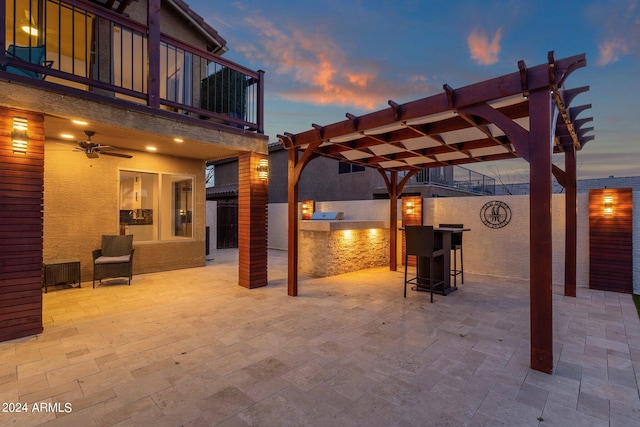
x=505, y=251
x=499, y=252
x=277, y=229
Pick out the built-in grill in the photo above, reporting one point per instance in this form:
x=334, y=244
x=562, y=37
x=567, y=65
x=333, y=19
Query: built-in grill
x=327, y=216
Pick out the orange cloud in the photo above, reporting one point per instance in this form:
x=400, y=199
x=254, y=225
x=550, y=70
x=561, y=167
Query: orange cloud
x=612, y=50
x=483, y=50
x=620, y=32
x=321, y=72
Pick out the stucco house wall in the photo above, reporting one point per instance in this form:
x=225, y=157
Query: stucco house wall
x=81, y=204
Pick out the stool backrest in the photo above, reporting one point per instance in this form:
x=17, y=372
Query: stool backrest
x=419, y=240
x=456, y=238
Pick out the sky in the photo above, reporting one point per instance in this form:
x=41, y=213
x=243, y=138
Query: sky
x=325, y=58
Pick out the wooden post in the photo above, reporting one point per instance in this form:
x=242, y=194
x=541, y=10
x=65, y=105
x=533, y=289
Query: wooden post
x=393, y=222
x=292, y=219
x=21, y=227
x=540, y=147
x=252, y=222
x=571, y=223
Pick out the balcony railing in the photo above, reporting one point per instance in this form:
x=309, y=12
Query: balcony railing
x=456, y=177
x=81, y=45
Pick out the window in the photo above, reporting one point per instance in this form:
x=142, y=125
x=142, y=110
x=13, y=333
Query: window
x=348, y=168
x=156, y=206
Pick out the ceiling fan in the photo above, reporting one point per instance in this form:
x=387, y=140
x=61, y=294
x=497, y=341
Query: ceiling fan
x=93, y=149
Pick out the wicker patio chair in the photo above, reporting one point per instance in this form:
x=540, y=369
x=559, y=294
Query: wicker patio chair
x=114, y=259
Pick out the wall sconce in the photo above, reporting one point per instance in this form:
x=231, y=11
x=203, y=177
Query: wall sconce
x=263, y=169
x=19, y=135
x=308, y=208
x=409, y=207
x=608, y=205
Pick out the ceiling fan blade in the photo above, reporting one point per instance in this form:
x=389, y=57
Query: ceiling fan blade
x=109, y=153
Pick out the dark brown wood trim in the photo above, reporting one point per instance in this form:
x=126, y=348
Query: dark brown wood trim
x=540, y=232
x=21, y=228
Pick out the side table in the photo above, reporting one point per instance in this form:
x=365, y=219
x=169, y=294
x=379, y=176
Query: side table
x=59, y=271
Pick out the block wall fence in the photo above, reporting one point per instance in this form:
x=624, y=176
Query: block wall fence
x=496, y=252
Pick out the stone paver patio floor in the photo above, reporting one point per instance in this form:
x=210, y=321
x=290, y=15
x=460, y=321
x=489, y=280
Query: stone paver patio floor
x=192, y=348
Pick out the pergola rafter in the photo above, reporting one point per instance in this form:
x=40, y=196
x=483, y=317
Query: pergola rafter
x=502, y=118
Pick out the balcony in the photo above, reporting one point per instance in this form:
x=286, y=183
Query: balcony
x=76, y=45
x=456, y=177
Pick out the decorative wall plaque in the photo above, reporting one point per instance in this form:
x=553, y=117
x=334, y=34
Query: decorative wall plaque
x=495, y=214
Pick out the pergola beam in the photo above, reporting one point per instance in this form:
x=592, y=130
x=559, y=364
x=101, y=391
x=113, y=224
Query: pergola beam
x=487, y=91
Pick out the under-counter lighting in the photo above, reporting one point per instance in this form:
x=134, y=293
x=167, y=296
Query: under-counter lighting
x=67, y=136
x=79, y=122
x=178, y=140
x=150, y=148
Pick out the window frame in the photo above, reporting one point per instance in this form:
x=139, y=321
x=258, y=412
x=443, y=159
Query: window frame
x=164, y=208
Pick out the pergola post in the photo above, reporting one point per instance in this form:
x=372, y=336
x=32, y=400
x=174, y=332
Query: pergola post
x=393, y=221
x=292, y=219
x=540, y=149
x=571, y=223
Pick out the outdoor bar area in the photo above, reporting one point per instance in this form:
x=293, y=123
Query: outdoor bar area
x=340, y=246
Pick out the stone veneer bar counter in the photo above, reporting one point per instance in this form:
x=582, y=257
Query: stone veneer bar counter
x=328, y=248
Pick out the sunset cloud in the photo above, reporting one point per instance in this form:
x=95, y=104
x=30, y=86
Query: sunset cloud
x=612, y=50
x=620, y=33
x=317, y=70
x=483, y=50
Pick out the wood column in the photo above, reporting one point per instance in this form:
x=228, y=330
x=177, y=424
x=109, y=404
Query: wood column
x=571, y=223
x=393, y=220
x=252, y=222
x=611, y=239
x=540, y=147
x=21, y=228
x=292, y=220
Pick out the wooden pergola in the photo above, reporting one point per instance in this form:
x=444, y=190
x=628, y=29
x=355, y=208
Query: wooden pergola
x=524, y=114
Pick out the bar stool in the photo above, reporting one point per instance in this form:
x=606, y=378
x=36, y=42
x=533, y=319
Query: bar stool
x=456, y=245
x=419, y=242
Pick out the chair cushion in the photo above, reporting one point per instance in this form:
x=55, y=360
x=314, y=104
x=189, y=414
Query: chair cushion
x=116, y=246
x=34, y=54
x=112, y=259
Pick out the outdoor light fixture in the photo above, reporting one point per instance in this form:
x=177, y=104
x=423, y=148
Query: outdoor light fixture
x=409, y=207
x=263, y=169
x=308, y=207
x=608, y=205
x=19, y=135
